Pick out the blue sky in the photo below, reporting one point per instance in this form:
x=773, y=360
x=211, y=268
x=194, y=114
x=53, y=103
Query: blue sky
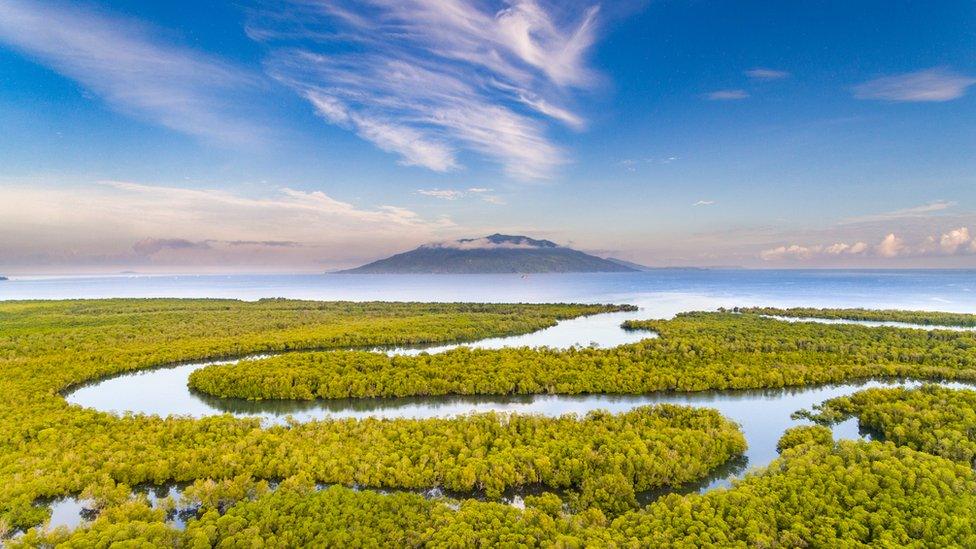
x=310, y=135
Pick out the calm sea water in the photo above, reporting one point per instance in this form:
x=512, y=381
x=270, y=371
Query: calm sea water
x=661, y=292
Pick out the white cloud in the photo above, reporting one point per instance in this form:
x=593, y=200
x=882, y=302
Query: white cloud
x=443, y=194
x=454, y=194
x=931, y=85
x=414, y=148
x=727, y=95
x=760, y=73
x=121, y=62
x=554, y=111
x=460, y=75
x=794, y=251
x=541, y=105
x=890, y=246
x=920, y=211
x=953, y=242
x=934, y=206
x=704, y=203
x=841, y=248
x=125, y=223
x=799, y=252
x=956, y=239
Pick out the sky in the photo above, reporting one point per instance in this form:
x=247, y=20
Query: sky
x=311, y=135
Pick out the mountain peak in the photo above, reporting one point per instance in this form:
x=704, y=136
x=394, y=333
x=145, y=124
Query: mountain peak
x=496, y=253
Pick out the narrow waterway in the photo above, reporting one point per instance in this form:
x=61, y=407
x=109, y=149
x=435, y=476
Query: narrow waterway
x=163, y=391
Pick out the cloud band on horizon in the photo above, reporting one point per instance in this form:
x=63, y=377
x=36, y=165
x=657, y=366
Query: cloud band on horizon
x=126, y=224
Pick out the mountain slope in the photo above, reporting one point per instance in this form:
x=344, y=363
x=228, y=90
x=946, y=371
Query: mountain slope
x=631, y=264
x=496, y=253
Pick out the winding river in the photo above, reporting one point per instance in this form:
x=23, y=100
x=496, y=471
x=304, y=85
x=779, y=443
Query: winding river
x=763, y=414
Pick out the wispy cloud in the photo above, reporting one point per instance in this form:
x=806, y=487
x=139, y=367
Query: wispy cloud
x=631, y=164
x=443, y=194
x=727, y=95
x=937, y=84
x=492, y=199
x=150, y=246
x=121, y=62
x=454, y=194
x=426, y=79
x=414, y=146
x=922, y=210
x=760, y=73
x=704, y=203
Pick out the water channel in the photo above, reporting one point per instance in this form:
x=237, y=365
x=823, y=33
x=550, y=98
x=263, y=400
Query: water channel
x=762, y=414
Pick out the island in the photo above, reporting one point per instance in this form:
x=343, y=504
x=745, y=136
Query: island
x=497, y=253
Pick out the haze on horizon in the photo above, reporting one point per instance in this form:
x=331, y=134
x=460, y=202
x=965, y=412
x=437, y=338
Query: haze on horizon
x=312, y=135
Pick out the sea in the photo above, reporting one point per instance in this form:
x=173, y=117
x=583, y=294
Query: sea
x=661, y=293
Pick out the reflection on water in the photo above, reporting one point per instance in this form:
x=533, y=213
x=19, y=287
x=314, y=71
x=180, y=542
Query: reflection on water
x=601, y=330
x=72, y=512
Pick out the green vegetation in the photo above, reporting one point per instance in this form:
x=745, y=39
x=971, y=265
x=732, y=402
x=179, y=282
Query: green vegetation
x=695, y=351
x=489, y=453
x=909, y=317
x=932, y=419
x=824, y=495
x=50, y=449
x=804, y=434
x=848, y=494
x=913, y=490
